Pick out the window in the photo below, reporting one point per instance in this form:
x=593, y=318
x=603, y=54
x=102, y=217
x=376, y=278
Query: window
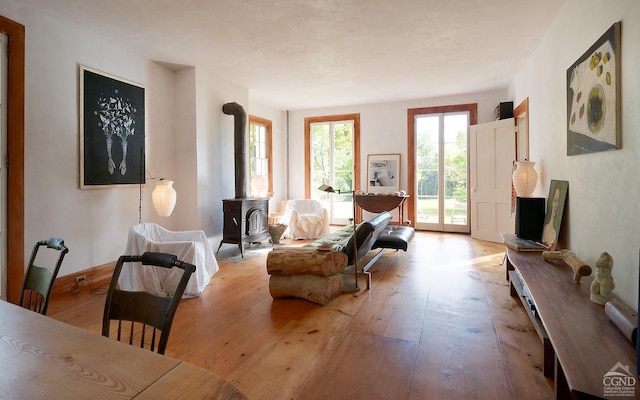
x=260, y=158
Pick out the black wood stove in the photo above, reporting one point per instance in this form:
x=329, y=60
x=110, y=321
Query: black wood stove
x=246, y=219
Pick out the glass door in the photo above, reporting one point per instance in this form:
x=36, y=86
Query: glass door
x=441, y=171
x=332, y=164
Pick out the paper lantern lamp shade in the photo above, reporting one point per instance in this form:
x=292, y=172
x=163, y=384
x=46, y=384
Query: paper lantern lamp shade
x=164, y=197
x=525, y=178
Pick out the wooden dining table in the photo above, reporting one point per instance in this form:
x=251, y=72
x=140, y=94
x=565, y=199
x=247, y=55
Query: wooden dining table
x=42, y=358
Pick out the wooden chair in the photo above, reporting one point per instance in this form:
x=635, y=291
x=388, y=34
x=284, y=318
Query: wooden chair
x=146, y=313
x=39, y=280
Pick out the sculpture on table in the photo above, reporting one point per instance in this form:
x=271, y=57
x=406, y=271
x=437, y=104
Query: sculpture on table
x=603, y=284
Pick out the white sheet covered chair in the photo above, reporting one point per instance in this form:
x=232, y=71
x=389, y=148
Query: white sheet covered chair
x=189, y=246
x=306, y=219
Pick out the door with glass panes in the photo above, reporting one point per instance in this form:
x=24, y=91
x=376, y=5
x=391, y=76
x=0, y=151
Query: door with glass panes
x=441, y=171
x=332, y=163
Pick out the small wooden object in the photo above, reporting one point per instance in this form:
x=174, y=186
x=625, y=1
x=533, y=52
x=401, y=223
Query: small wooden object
x=580, y=268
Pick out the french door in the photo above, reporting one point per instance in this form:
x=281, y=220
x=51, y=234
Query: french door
x=441, y=197
x=332, y=145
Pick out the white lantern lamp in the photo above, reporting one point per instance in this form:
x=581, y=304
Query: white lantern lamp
x=525, y=178
x=164, y=197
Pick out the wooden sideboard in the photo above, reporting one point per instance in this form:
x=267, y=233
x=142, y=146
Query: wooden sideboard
x=581, y=345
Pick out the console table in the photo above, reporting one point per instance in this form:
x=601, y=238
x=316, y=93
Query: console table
x=380, y=203
x=580, y=344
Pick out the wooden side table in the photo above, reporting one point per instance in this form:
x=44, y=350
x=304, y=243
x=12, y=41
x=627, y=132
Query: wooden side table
x=381, y=203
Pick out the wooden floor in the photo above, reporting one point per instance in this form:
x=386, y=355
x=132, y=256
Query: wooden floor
x=438, y=323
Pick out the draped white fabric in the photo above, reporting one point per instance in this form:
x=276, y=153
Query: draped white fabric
x=306, y=219
x=189, y=246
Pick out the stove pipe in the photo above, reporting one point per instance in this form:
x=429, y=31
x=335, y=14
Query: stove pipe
x=240, y=153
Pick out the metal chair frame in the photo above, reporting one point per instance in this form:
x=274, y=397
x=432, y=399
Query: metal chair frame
x=39, y=280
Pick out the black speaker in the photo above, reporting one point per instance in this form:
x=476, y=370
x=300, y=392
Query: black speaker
x=504, y=110
x=529, y=217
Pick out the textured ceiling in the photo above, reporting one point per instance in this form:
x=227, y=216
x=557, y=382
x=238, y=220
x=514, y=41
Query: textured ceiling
x=294, y=54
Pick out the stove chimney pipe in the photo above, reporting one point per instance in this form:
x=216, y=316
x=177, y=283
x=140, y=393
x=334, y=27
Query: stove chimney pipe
x=240, y=152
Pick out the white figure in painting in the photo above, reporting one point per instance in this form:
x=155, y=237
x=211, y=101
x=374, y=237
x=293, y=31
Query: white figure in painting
x=549, y=232
x=381, y=173
x=117, y=117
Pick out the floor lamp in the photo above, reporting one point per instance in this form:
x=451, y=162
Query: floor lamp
x=329, y=189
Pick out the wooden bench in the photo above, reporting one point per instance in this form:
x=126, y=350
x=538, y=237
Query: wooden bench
x=581, y=345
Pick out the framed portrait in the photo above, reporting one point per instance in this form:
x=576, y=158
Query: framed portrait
x=383, y=173
x=593, y=97
x=553, y=216
x=112, y=131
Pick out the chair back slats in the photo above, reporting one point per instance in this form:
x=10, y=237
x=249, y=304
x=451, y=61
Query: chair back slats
x=39, y=280
x=144, y=311
x=139, y=306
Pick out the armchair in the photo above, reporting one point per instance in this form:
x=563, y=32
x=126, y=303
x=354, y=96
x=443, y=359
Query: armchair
x=306, y=219
x=189, y=246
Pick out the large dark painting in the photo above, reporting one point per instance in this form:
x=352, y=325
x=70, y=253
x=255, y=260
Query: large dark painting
x=111, y=131
x=593, y=97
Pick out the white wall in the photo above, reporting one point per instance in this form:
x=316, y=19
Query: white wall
x=191, y=145
x=215, y=149
x=278, y=147
x=383, y=130
x=602, y=212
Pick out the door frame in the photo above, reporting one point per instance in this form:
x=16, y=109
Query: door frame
x=410, y=203
x=15, y=154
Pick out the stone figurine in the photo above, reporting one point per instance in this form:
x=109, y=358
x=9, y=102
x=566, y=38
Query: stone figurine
x=603, y=284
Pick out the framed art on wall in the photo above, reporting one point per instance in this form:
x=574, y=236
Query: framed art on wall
x=558, y=191
x=593, y=97
x=112, y=131
x=383, y=173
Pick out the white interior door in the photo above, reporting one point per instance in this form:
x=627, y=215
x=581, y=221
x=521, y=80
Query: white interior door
x=492, y=151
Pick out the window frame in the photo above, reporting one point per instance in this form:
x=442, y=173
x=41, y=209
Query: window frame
x=254, y=120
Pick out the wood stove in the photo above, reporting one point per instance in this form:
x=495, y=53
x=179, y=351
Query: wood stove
x=246, y=219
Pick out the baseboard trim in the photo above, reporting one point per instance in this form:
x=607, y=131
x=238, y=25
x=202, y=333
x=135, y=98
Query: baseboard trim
x=96, y=277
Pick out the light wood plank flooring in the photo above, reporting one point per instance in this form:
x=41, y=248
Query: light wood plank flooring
x=438, y=323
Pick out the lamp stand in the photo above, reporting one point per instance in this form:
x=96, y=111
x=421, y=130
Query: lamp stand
x=355, y=288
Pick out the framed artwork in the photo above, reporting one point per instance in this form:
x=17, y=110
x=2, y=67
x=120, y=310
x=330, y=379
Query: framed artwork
x=112, y=130
x=383, y=173
x=593, y=97
x=553, y=216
